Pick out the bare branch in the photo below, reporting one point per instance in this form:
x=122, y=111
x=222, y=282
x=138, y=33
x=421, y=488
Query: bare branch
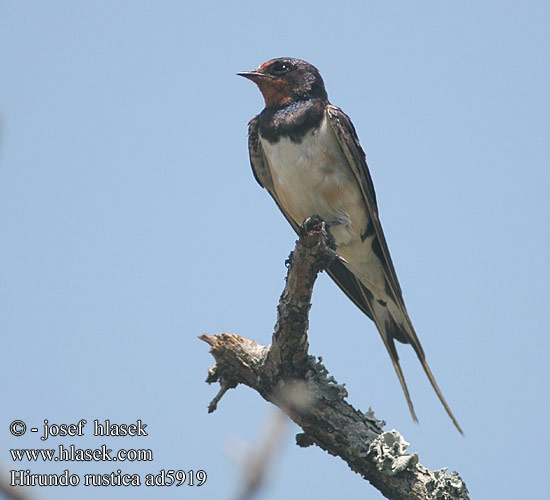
x=285, y=375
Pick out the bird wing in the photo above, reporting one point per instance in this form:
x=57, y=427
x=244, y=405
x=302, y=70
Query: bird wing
x=354, y=153
x=349, y=142
x=345, y=132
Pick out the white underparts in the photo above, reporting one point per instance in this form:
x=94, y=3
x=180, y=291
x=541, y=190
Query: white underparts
x=314, y=177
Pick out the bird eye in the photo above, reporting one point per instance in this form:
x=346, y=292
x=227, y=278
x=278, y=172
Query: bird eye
x=281, y=68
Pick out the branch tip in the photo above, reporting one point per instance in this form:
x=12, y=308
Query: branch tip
x=225, y=386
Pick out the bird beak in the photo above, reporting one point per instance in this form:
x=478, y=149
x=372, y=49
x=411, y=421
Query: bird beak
x=255, y=75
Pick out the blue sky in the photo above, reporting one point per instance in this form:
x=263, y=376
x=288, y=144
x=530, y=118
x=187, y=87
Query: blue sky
x=131, y=223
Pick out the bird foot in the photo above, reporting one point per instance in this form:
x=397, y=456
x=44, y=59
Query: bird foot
x=315, y=223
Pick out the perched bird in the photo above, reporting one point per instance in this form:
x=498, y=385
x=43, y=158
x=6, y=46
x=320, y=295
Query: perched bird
x=306, y=153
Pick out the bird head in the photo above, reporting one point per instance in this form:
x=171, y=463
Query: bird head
x=286, y=80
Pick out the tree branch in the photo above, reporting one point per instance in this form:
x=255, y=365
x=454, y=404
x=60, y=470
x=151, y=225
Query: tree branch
x=285, y=375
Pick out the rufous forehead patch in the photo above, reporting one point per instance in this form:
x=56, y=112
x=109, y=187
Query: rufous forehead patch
x=264, y=65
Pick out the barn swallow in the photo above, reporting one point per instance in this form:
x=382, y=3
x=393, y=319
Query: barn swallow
x=306, y=153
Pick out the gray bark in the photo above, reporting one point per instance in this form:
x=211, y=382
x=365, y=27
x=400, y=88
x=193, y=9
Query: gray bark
x=287, y=376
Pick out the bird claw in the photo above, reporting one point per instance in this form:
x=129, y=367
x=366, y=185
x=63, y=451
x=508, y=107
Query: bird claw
x=313, y=223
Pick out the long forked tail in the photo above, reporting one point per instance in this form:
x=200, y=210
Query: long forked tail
x=403, y=331
x=390, y=346
x=431, y=378
x=389, y=328
x=407, y=334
